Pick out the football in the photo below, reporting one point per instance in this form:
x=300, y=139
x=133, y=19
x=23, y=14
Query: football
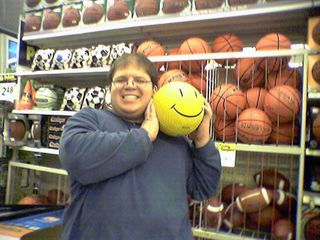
x=285, y=202
x=233, y=218
x=231, y=191
x=271, y=179
x=265, y=217
x=213, y=213
x=95, y=98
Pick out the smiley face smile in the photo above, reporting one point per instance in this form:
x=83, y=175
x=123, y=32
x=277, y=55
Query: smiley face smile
x=184, y=115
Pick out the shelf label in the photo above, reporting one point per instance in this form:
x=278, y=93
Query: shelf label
x=8, y=88
x=227, y=154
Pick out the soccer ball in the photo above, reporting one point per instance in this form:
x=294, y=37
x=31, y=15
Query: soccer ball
x=73, y=99
x=107, y=99
x=43, y=59
x=95, y=98
x=81, y=58
x=100, y=56
x=61, y=59
x=119, y=49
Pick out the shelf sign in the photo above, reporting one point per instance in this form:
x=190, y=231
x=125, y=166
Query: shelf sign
x=227, y=154
x=8, y=87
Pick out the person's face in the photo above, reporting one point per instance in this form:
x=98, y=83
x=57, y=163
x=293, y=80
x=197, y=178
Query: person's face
x=131, y=91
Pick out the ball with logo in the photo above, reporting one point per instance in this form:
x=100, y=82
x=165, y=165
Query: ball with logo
x=179, y=107
x=95, y=98
x=73, y=99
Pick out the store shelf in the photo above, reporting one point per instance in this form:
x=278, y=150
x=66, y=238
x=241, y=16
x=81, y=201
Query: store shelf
x=243, y=235
x=314, y=95
x=311, y=198
x=267, y=148
x=38, y=168
x=40, y=150
x=288, y=17
x=44, y=112
x=313, y=152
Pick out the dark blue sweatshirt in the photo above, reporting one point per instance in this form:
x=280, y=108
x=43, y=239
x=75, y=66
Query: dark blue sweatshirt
x=125, y=187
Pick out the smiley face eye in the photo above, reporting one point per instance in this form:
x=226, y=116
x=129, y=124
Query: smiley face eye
x=195, y=93
x=181, y=92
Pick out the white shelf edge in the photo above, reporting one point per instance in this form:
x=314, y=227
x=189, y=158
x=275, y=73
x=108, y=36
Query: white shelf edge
x=313, y=152
x=199, y=232
x=313, y=95
x=268, y=148
x=38, y=168
x=311, y=198
x=45, y=112
x=40, y=150
x=170, y=19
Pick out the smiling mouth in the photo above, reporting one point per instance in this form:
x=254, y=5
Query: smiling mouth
x=188, y=116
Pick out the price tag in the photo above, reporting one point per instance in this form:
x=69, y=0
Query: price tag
x=8, y=88
x=227, y=154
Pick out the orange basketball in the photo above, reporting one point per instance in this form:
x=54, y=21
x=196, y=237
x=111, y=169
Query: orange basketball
x=151, y=48
x=316, y=128
x=286, y=76
x=194, y=45
x=253, y=126
x=284, y=133
x=227, y=101
x=255, y=97
x=225, y=129
x=227, y=43
x=199, y=83
x=173, y=75
x=273, y=41
x=173, y=65
x=248, y=73
x=282, y=103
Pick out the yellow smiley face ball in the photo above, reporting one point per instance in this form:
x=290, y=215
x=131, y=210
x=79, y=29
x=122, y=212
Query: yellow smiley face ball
x=179, y=107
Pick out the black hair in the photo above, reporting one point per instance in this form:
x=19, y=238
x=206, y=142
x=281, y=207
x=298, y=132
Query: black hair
x=136, y=59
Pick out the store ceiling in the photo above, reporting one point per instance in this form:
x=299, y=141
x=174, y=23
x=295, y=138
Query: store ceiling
x=10, y=11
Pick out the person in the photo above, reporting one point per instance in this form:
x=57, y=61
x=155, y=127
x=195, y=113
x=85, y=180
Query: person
x=129, y=181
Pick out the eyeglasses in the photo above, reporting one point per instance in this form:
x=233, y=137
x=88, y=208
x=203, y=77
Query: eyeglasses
x=137, y=81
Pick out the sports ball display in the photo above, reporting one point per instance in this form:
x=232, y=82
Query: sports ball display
x=207, y=4
x=271, y=179
x=92, y=14
x=73, y=99
x=316, y=128
x=95, y=98
x=42, y=60
x=227, y=101
x=46, y=98
x=254, y=200
x=285, y=202
x=194, y=45
x=213, y=213
x=233, y=218
x=284, y=229
x=17, y=130
x=224, y=129
x=119, y=10
x=179, y=107
x=265, y=217
x=198, y=82
x=316, y=33
x=227, y=42
x=81, y=58
x=174, y=6
x=248, y=73
x=32, y=23
x=173, y=64
x=316, y=71
x=286, y=76
x=284, y=133
x=147, y=8
x=71, y=17
x=61, y=59
x=151, y=48
x=100, y=56
x=173, y=76
x=240, y=2
x=255, y=97
x=231, y=191
x=32, y=3
x=273, y=41
x=282, y=103
x=51, y=20
x=311, y=224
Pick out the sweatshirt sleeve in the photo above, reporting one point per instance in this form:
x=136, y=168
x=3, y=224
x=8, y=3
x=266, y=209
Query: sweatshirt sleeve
x=91, y=155
x=204, y=173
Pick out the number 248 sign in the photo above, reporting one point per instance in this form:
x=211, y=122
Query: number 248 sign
x=8, y=88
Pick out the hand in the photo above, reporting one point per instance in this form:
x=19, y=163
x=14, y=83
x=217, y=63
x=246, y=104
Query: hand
x=201, y=135
x=151, y=122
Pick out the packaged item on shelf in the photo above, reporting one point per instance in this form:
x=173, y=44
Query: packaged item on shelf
x=312, y=174
x=94, y=98
x=101, y=56
x=27, y=98
x=71, y=15
x=119, y=10
x=314, y=73
x=314, y=33
x=119, y=49
x=43, y=59
x=32, y=4
x=93, y=11
x=180, y=7
x=73, y=99
x=81, y=58
x=61, y=59
x=51, y=18
x=146, y=8
x=45, y=99
x=207, y=6
x=33, y=21
x=34, y=138
x=310, y=224
x=55, y=129
x=16, y=130
x=313, y=128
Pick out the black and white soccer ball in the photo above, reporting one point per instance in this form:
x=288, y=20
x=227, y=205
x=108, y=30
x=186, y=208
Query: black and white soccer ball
x=81, y=58
x=95, y=98
x=119, y=49
x=43, y=59
x=100, y=56
x=61, y=59
x=73, y=99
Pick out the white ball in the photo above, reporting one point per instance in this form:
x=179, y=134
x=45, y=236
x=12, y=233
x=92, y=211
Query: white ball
x=46, y=98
